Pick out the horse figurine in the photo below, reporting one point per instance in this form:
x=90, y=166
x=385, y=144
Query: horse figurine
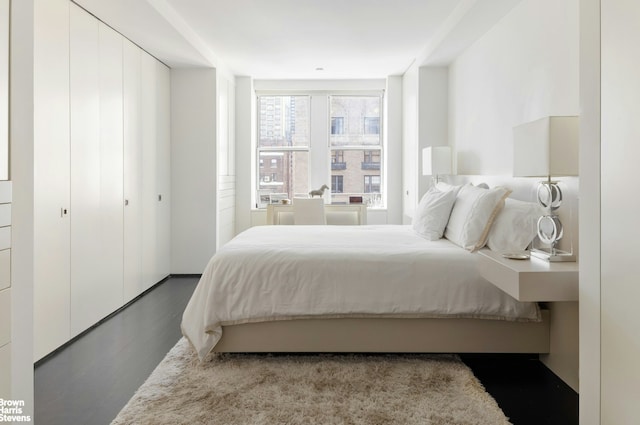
x=318, y=192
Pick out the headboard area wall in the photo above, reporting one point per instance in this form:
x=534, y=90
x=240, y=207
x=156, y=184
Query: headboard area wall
x=517, y=72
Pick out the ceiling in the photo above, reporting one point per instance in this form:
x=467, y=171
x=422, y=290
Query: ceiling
x=301, y=39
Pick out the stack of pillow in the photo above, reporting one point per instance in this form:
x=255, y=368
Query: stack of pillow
x=474, y=216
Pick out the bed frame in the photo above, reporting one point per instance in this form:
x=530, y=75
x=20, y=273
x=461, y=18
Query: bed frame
x=386, y=335
x=381, y=335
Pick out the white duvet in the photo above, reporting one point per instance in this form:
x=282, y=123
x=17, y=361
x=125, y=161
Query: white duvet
x=289, y=272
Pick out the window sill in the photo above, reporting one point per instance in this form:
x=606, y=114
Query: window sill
x=380, y=209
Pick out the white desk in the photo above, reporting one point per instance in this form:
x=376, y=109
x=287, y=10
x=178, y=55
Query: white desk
x=349, y=214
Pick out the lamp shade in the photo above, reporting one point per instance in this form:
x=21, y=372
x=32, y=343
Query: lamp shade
x=546, y=147
x=436, y=160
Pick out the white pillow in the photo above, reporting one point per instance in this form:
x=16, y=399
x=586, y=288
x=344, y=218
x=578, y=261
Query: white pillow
x=515, y=226
x=472, y=215
x=432, y=214
x=445, y=187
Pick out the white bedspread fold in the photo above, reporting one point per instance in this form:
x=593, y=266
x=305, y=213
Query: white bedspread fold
x=285, y=272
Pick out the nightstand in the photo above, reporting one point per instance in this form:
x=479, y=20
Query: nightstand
x=530, y=280
x=554, y=283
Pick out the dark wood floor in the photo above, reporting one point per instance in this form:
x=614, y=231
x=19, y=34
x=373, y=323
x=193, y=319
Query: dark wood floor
x=527, y=392
x=90, y=380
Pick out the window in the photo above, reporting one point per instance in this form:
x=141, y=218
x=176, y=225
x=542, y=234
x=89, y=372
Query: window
x=371, y=125
x=336, y=184
x=371, y=160
x=337, y=125
x=337, y=160
x=371, y=184
x=283, y=143
x=291, y=153
x=358, y=146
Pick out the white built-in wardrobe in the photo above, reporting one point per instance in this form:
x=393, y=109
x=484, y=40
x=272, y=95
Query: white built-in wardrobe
x=102, y=180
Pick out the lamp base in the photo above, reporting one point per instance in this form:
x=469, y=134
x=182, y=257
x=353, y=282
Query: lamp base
x=553, y=256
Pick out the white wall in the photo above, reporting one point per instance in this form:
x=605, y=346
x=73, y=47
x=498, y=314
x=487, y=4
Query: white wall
x=193, y=169
x=245, y=126
x=433, y=116
x=619, y=153
x=22, y=174
x=5, y=197
x=410, y=169
x=393, y=140
x=590, y=147
x=226, y=143
x=4, y=89
x=425, y=100
x=524, y=68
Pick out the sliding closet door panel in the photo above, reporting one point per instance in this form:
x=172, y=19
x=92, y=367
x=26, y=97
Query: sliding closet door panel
x=150, y=193
x=96, y=223
x=132, y=173
x=85, y=168
x=111, y=168
x=51, y=182
x=163, y=166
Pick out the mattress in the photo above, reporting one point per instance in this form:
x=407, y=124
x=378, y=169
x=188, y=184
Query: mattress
x=271, y=273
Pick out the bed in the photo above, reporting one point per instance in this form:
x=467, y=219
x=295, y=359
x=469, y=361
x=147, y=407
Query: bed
x=354, y=289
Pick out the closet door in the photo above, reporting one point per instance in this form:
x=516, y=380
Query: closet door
x=133, y=223
x=96, y=170
x=150, y=193
x=111, y=171
x=51, y=183
x=163, y=166
x=155, y=124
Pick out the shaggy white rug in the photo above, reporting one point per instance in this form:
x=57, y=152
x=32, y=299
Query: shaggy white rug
x=310, y=389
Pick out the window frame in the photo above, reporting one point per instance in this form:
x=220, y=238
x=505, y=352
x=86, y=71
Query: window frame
x=318, y=152
x=262, y=123
x=378, y=199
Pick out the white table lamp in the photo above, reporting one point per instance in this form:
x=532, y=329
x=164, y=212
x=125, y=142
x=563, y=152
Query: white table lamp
x=548, y=147
x=436, y=160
